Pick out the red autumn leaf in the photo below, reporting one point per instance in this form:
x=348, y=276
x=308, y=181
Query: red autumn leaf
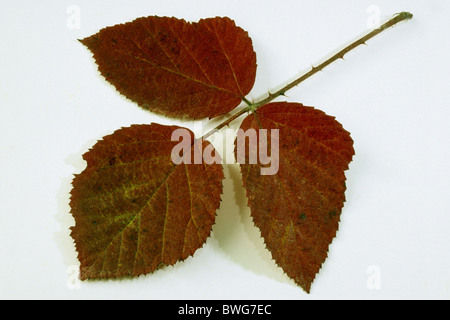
x=298, y=208
x=176, y=68
x=135, y=209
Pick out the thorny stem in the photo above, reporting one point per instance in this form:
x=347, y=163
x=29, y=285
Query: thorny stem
x=340, y=55
x=228, y=121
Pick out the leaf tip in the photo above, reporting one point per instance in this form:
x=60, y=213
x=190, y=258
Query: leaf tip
x=83, y=41
x=89, y=42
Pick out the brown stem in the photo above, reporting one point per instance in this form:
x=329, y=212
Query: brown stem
x=340, y=55
x=227, y=122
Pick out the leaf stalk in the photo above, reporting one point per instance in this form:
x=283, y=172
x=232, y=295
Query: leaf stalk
x=251, y=107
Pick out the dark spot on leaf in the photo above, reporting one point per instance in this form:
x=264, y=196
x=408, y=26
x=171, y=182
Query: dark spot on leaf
x=162, y=37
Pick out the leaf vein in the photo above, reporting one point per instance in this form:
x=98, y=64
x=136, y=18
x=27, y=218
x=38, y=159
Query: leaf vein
x=120, y=232
x=229, y=61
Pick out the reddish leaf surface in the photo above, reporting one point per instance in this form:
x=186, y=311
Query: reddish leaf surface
x=135, y=210
x=298, y=209
x=176, y=68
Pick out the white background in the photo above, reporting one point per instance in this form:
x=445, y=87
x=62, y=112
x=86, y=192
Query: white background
x=392, y=95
